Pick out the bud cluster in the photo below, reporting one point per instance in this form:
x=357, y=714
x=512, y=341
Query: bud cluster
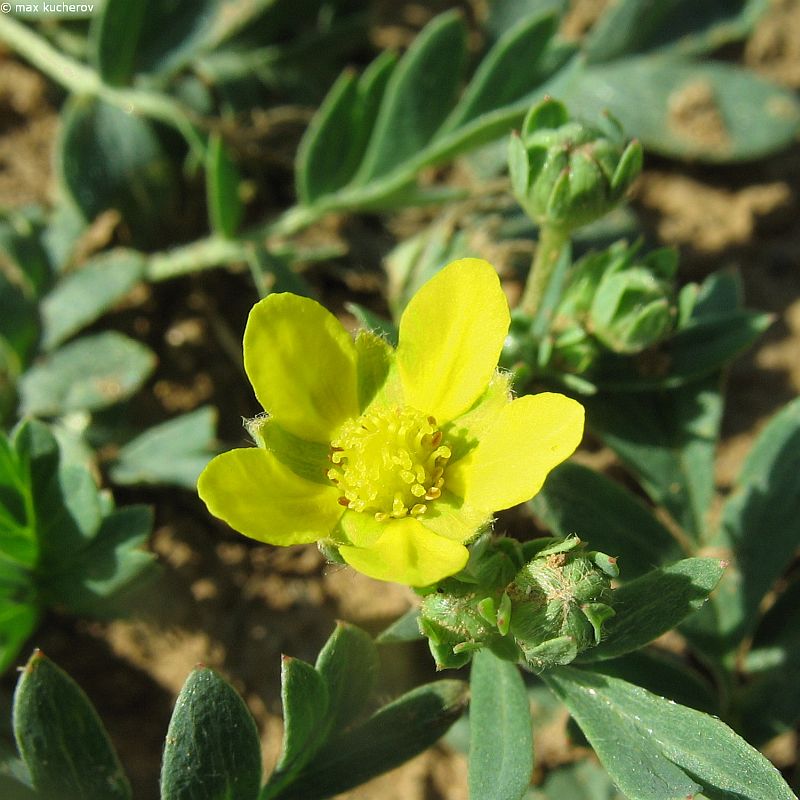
x=614, y=300
x=540, y=603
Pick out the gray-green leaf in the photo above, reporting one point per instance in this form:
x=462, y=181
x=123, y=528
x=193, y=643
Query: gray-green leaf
x=655, y=603
x=212, y=750
x=501, y=737
x=174, y=452
x=655, y=749
x=92, y=372
x=62, y=740
x=578, y=500
x=86, y=294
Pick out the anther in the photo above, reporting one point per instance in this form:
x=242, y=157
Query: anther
x=343, y=501
x=418, y=510
x=433, y=493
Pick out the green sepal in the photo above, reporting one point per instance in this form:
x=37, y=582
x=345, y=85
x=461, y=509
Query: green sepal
x=212, y=747
x=597, y=614
x=627, y=170
x=518, y=167
x=553, y=652
x=61, y=739
x=548, y=113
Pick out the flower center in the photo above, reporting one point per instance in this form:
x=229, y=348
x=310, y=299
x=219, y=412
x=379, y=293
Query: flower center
x=390, y=462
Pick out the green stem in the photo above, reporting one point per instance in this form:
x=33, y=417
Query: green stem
x=80, y=79
x=551, y=242
x=215, y=251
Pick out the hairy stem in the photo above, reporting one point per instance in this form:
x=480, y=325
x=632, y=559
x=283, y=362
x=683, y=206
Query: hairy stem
x=80, y=79
x=551, y=243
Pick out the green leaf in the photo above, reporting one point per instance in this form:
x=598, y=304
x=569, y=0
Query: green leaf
x=225, y=207
x=89, y=373
x=62, y=740
x=113, y=38
x=404, y=629
x=708, y=111
x=668, y=439
x=684, y=26
x=501, y=737
x=697, y=349
x=769, y=701
x=393, y=735
x=21, y=242
x=304, y=693
x=348, y=663
x=759, y=528
x=507, y=72
x=578, y=500
x=60, y=542
x=328, y=156
x=174, y=452
x=86, y=294
x=86, y=581
x=173, y=32
x=583, y=780
x=654, y=748
x=371, y=138
x=108, y=159
x=420, y=91
x=62, y=508
x=655, y=603
x=212, y=749
x=19, y=329
x=334, y=144
x=19, y=616
x=665, y=674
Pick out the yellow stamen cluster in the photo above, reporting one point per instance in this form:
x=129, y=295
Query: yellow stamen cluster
x=390, y=462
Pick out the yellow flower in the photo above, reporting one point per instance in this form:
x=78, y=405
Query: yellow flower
x=399, y=457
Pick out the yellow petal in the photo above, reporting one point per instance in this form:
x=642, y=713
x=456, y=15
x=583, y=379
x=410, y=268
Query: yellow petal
x=258, y=496
x=464, y=433
x=451, y=335
x=361, y=528
x=302, y=364
x=455, y=519
x=532, y=435
x=409, y=553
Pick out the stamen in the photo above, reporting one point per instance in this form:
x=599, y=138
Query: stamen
x=388, y=460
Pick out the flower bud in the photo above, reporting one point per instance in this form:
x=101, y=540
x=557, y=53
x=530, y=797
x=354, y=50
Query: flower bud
x=566, y=174
x=552, y=608
x=631, y=311
x=614, y=300
x=559, y=602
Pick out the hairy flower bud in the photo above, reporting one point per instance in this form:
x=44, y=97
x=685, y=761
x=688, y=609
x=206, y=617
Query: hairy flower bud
x=566, y=174
x=540, y=603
